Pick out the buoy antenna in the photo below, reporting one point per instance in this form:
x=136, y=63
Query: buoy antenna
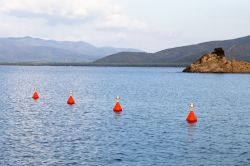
x=117, y=98
x=191, y=107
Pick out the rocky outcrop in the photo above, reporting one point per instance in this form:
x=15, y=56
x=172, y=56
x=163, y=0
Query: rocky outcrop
x=216, y=62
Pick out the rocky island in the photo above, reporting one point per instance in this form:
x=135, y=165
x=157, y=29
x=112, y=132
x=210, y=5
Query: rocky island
x=216, y=62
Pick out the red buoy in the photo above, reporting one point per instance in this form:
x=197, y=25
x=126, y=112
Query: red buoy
x=35, y=95
x=191, y=118
x=117, y=107
x=71, y=100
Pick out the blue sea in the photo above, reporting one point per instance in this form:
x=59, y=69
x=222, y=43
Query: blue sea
x=151, y=130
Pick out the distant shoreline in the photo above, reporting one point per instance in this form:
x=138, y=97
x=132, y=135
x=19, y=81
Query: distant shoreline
x=90, y=64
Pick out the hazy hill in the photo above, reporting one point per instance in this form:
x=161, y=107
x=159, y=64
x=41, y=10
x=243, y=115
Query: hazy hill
x=27, y=49
x=235, y=48
x=130, y=57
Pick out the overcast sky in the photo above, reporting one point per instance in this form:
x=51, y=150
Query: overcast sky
x=150, y=25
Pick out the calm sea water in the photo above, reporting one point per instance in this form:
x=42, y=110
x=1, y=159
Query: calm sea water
x=150, y=131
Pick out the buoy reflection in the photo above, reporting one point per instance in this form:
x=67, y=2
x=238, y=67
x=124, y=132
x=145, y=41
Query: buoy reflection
x=117, y=114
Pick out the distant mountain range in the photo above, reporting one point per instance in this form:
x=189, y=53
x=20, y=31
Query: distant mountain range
x=28, y=49
x=234, y=49
x=34, y=51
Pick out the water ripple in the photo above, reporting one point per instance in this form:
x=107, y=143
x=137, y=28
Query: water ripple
x=150, y=131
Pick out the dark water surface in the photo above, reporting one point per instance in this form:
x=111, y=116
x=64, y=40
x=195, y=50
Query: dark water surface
x=150, y=131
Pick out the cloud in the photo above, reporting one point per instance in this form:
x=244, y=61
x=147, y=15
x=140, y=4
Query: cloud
x=102, y=14
x=119, y=21
x=60, y=8
x=99, y=22
x=142, y=24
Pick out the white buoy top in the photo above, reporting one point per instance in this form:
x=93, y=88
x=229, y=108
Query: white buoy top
x=191, y=107
x=117, y=98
